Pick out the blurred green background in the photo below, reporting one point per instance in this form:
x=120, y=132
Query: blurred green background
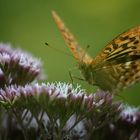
x=28, y=24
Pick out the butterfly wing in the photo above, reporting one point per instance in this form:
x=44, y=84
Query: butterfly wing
x=126, y=45
x=120, y=59
x=129, y=74
x=79, y=53
x=117, y=77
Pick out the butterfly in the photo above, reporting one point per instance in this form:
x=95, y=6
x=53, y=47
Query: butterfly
x=116, y=67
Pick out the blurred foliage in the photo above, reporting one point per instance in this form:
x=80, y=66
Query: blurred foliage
x=29, y=24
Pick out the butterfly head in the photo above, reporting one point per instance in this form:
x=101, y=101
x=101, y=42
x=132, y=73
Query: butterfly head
x=87, y=71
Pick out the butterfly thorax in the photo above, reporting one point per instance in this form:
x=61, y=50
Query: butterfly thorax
x=87, y=73
x=99, y=76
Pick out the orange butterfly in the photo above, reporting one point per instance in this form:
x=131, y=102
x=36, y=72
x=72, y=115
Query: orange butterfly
x=116, y=67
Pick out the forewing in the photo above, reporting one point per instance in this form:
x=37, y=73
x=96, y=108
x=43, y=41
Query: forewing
x=124, y=48
x=79, y=53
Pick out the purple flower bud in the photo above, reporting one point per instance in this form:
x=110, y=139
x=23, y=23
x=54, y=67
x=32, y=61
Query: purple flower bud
x=17, y=67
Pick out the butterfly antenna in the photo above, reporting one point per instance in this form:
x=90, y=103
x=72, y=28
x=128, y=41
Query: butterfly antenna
x=86, y=49
x=47, y=44
x=120, y=96
x=71, y=78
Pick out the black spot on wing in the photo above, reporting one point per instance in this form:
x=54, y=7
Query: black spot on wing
x=108, y=49
x=124, y=45
x=126, y=79
x=136, y=42
x=123, y=38
x=132, y=39
x=115, y=46
x=134, y=66
x=134, y=47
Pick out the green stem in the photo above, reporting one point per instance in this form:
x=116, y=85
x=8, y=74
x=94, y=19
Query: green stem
x=20, y=123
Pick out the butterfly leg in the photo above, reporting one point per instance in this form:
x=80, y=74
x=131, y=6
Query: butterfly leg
x=71, y=77
x=74, y=77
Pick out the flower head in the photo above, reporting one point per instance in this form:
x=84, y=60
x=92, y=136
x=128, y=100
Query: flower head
x=17, y=67
x=130, y=116
x=61, y=106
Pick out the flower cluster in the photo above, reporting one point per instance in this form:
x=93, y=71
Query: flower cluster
x=17, y=67
x=57, y=111
x=60, y=107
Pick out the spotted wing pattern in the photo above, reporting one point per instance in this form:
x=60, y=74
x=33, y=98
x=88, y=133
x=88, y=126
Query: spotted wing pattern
x=126, y=45
x=123, y=56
